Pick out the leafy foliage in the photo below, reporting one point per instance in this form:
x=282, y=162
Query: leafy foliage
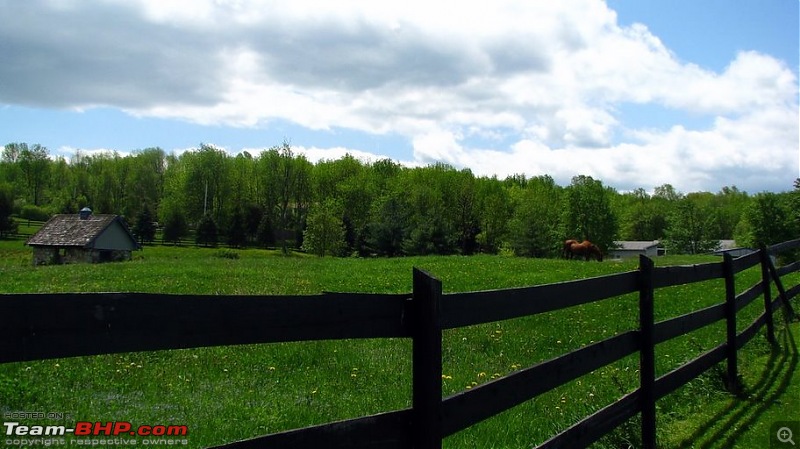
x=206, y=231
x=588, y=212
x=324, y=234
x=689, y=229
x=385, y=209
x=144, y=228
x=768, y=221
x=175, y=225
x=7, y=224
x=535, y=226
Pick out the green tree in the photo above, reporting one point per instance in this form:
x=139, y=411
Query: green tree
x=534, y=228
x=494, y=212
x=7, y=224
x=144, y=227
x=769, y=220
x=34, y=163
x=728, y=207
x=688, y=228
x=588, y=212
x=175, y=225
x=206, y=231
x=324, y=233
x=265, y=235
x=387, y=227
x=794, y=201
x=145, y=180
x=432, y=223
x=642, y=217
x=235, y=231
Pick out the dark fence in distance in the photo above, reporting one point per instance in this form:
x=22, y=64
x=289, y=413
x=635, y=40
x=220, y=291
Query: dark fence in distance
x=41, y=326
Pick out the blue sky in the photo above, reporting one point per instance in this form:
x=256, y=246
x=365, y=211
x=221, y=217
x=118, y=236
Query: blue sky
x=700, y=95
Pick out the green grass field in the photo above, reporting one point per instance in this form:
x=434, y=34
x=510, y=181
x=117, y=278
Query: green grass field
x=231, y=393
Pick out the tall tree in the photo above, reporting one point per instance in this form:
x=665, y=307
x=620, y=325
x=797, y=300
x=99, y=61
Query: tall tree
x=7, y=224
x=324, y=234
x=206, y=231
x=494, y=211
x=235, y=230
x=387, y=226
x=770, y=220
x=688, y=228
x=588, y=212
x=144, y=227
x=175, y=224
x=34, y=163
x=534, y=228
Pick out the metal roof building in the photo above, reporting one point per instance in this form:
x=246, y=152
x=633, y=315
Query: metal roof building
x=626, y=248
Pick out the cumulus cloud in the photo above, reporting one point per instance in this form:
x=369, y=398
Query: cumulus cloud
x=544, y=80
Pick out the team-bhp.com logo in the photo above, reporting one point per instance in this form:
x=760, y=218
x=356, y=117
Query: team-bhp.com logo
x=122, y=433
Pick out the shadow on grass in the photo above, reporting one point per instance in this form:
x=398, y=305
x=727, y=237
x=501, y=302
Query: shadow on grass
x=729, y=424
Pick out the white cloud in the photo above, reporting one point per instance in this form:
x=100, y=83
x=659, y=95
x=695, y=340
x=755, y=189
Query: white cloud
x=546, y=76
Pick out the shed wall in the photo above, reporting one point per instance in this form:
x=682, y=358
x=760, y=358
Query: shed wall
x=114, y=238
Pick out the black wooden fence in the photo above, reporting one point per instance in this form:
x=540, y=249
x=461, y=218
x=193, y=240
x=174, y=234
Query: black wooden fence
x=41, y=326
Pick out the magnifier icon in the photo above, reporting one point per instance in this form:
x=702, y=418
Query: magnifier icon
x=785, y=435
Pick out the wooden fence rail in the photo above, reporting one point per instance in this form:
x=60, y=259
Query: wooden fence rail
x=42, y=326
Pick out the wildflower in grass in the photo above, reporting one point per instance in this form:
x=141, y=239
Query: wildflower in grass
x=446, y=377
x=481, y=375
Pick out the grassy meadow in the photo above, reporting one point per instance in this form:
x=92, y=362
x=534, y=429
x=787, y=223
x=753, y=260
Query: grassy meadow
x=226, y=394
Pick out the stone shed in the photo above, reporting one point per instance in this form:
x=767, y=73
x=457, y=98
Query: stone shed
x=84, y=238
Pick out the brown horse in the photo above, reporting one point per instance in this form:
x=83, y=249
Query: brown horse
x=586, y=249
x=566, y=249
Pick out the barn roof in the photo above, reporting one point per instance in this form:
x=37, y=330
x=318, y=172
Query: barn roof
x=629, y=245
x=71, y=230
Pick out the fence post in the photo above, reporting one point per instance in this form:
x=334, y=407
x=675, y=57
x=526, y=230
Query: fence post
x=647, y=357
x=765, y=281
x=730, y=323
x=787, y=306
x=426, y=424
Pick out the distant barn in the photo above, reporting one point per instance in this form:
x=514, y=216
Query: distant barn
x=82, y=238
x=625, y=249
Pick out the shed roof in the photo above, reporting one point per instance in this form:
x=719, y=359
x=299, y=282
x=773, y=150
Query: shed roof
x=71, y=230
x=634, y=245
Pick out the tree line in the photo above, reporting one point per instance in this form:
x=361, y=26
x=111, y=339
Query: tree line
x=348, y=207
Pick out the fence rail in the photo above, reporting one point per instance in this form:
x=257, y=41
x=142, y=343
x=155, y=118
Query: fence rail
x=42, y=326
